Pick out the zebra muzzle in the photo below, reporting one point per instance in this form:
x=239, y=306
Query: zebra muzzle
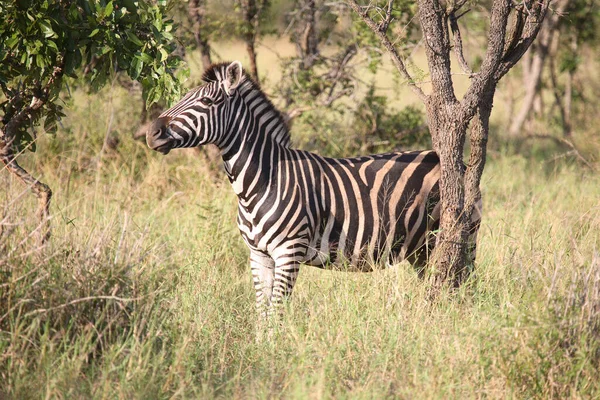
x=157, y=136
x=164, y=148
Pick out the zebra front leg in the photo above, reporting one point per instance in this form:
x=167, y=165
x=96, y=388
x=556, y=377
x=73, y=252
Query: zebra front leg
x=286, y=273
x=263, y=277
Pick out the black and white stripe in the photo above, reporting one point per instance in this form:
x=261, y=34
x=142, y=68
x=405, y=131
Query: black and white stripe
x=296, y=207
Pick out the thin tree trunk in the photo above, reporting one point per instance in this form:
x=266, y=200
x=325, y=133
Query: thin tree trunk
x=251, y=11
x=533, y=77
x=567, y=126
x=478, y=138
x=308, y=35
x=252, y=56
x=197, y=12
x=564, y=101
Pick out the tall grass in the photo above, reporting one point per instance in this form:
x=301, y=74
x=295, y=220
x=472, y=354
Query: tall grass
x=145, y=291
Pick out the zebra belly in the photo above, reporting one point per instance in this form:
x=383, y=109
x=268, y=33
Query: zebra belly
x=324, y=251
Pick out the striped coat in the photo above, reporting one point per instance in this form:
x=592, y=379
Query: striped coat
x=296, y=207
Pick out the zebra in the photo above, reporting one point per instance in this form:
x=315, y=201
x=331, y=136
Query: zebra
x=296, y=207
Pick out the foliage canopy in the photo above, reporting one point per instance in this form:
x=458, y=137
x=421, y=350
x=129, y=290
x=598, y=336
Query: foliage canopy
x=42, y=41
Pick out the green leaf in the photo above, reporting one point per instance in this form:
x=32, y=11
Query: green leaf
x=12, y=41
x=24, y=139
x=72, y=62
x=133, y=38
x=136, y=68
x=40, y=62
x=158, y=24
x=47, y=29
x=145, y=57
x=150, y=97
x=53, y=45
x=164, y=54
x=129, y=35
x=109, y=9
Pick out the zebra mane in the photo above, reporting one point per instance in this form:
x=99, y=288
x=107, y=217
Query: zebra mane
x=216, y=73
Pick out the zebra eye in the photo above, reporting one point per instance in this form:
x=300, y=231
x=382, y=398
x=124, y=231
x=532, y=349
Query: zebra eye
x=206, y=101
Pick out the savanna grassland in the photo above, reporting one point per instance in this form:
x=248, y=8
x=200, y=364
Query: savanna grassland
x=144, y=289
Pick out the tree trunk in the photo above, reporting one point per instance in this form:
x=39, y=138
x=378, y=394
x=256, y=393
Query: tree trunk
x=449, y=255
x=251, y=11
x=8, y=134
x=532, y=79
x=567, y=126
x=448, y=136
x=196, y=12
x=252, y=56
x=307, y=35
x=567, y=101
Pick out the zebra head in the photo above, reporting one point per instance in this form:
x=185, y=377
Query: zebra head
x=202, y=116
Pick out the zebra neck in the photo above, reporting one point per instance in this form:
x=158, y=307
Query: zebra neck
x=253, y=167
x=258, y=138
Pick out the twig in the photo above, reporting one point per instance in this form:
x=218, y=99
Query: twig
x=398, y=63
x=84, y=299
x=564, y=142
x=383, y=27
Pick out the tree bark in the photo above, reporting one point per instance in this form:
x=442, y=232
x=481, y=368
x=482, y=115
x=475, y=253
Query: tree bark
x=251, y=11
x=448, y=136
x=252, y=56
x=449, y=255
x=197, y=12
x=306, y=35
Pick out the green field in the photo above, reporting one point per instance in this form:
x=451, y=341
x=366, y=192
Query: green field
x=145, y=291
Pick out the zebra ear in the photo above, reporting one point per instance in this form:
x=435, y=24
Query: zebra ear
x=233, y=76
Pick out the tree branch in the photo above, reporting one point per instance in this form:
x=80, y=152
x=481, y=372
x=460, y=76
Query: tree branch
x=531, y=26
x=383, y=27
x=8, y=135
x=433, y=19
x=396, y=60
x=458, y=47
x=9, y=132
x=41, y=190
x=496, y=38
